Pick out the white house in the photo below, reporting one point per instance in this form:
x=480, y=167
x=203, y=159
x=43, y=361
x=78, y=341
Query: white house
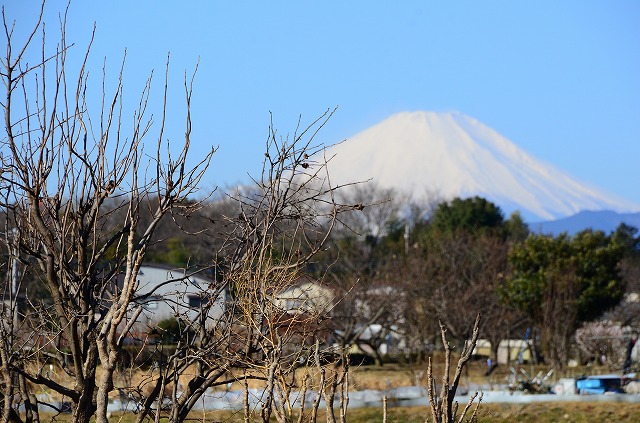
x=306, y=295
x=167, y=292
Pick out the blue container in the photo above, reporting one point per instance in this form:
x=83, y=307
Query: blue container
x=599, y=384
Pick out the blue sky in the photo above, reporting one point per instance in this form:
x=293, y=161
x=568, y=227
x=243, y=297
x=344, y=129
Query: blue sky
x=560, y=79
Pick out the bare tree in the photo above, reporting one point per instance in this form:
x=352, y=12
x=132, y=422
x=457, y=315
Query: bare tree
x=357, y=260
x=605, y=341
x=444, y=409
x=282, y=224
x=559, y=315
x=379, y=208
x=270, y=231
x=472, y=266
x=61, y=160
x=367, y=317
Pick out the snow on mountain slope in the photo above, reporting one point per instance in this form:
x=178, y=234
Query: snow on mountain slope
x=453, y=155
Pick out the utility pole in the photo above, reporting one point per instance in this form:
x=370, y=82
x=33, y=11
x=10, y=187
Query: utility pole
x=406, y=238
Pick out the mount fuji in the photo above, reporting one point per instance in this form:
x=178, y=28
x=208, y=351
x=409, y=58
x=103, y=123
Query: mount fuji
x=452, y=155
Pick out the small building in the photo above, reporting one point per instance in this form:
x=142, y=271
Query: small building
x=509, y=350
x=166, y=292
x=305, y=295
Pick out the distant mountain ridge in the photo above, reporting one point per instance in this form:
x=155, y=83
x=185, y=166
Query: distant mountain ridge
x=452, y=155
x=602, y=220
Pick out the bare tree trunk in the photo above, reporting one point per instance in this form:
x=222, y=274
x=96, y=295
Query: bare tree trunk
x=5, y=361
x=384, y=409
x=245, y=400
x=344, y=389
x=105, y=385
x=305, y=387
x=30, y=401
x=321, y=385
x=329, y=395
x=267, y=405
x=7, y=406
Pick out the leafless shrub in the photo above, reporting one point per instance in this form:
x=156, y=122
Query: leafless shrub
x=604, y=340
x=444, y=409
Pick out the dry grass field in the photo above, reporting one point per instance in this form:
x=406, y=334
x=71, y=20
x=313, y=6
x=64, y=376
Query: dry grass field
x=394, y=375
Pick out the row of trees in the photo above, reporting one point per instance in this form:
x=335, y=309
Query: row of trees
x=455, y=259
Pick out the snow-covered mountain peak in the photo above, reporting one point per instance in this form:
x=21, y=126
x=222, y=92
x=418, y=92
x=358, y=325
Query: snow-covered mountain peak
x=453, y=155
